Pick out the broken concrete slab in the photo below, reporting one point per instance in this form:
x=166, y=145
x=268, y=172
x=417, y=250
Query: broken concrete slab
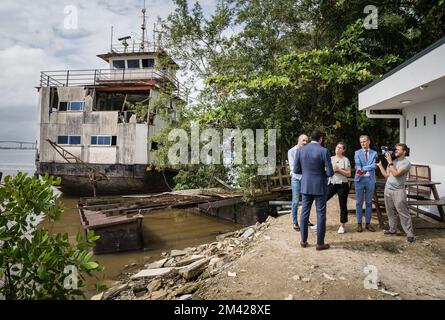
x=195, y=269
x=97, y=296
x=156, y=265
x=154, y=285
x=248, y=233
x=188, y=288
x=177, y=253
x=114, y=291
x=158, y=295
x=189, y=260
x=149, y=273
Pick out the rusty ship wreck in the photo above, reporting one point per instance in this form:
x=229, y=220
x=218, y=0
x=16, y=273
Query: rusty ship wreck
x=91, y=137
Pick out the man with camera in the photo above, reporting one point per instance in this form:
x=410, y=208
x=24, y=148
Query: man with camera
x=395, y=194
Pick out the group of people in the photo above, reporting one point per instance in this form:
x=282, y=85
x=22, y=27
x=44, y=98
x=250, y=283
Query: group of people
x=318, y=177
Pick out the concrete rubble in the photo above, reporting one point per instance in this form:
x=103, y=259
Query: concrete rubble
x=180, y=273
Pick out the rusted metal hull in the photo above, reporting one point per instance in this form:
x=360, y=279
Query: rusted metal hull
x=122, y=179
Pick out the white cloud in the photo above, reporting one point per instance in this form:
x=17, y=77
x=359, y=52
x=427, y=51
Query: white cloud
x=33, y=38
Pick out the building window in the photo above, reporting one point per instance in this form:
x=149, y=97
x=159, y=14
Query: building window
x=63, y=106
x=434, y=119
x=74, y=139
x=407, y=123
x=75, y=105
x=148, y=63
x=69, y=140
x=133, y=64
x=62, y=140
x=415, y=122
x=71, y=106
x=103, y=140
x=119, y=64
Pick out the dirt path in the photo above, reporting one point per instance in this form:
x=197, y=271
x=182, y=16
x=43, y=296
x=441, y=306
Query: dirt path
x=276, y=267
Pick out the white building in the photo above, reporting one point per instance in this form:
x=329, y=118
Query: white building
x=417, y=88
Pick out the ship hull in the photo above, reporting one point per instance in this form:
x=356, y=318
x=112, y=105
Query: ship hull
x=122, y=179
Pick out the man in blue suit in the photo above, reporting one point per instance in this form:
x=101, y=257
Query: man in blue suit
x=364, y=180
x=313, y=162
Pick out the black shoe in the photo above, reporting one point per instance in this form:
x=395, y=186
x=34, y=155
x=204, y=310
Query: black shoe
x=411, y=239
x=389, y=233
x=311, y=224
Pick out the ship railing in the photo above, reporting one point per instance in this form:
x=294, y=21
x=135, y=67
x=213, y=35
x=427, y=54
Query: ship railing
x=96, y=77
x=134, y=47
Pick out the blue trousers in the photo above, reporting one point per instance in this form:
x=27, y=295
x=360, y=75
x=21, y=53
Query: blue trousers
x=295, y=183
x=320, y=203
x=365, y=190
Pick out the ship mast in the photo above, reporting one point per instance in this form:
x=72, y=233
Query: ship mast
x=142, y=47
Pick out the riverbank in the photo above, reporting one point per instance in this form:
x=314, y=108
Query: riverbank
x=265, y=261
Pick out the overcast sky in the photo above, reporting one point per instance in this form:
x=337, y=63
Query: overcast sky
x=33, y=38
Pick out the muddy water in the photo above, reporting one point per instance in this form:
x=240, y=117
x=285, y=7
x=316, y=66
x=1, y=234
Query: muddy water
x=162, y=231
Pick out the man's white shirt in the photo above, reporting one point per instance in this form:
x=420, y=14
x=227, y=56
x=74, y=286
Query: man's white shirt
x=291, y=159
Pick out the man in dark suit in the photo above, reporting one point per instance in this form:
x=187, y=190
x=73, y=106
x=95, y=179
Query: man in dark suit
x=314, y=163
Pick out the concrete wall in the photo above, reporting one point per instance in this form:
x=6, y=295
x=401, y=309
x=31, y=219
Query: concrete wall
x=131, y=145
x=425, y=141
x=141, y=144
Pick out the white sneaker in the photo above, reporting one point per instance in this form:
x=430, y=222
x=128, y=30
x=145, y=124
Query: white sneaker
x=341, y=230
x=314, y=227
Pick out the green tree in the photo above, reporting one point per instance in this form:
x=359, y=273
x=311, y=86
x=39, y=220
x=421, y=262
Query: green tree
x=35, y=264
x=296, y=65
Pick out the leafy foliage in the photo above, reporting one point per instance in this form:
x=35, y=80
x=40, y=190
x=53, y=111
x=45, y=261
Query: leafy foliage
x=33, y=262
x=296, y=65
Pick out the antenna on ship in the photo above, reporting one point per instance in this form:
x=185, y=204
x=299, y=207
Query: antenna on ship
x=111, y=43
x=142, y=47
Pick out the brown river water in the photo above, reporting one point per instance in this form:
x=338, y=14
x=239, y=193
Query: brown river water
x=162, y=230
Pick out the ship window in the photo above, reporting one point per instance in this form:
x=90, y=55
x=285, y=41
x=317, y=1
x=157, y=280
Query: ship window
x=148, y=63
x=74, y=139
x=133, y=64
x=62, y=140
x=119, y=64
x=71, y=140
x=63, y=106
x=101, y=140
x=113, y=140
x=75, y=105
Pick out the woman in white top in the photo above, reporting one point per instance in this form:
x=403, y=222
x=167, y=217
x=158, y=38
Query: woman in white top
x=338, y=183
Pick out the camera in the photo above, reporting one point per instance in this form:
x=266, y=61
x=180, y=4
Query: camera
x=389, y=149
